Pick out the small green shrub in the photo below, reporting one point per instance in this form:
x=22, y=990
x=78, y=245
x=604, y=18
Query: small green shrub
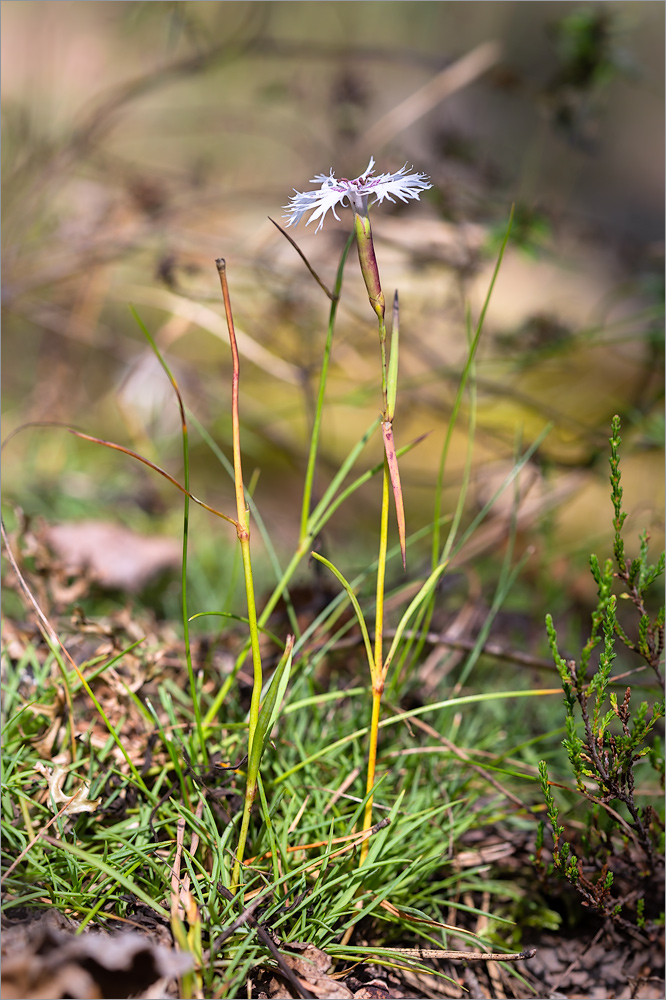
x=606, y=737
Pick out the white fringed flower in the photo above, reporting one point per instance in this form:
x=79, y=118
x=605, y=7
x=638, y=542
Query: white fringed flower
x=333, y=191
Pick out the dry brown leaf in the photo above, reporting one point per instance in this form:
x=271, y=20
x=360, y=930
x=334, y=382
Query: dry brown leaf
x=45, y=743
x=311, y=967
x=371, y=992
x=78, y=801
x=46, y=963
x=116, y=557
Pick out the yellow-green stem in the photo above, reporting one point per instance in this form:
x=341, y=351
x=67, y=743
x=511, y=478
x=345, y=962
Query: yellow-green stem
x=243, y=532
x=381, y=573
x=382, y=345
x=250, y=794
x=372, y=762
x=378, y=669
x=254, y=637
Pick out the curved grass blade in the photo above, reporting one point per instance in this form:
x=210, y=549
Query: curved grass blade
x=354, y=600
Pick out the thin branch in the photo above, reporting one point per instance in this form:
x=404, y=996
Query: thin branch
x=307, y=263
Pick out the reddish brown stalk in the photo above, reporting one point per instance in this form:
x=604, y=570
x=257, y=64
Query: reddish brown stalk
x=241, y=526
x=307, y=263
x=155, y=468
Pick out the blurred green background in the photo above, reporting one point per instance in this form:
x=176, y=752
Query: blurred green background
x=143, y=140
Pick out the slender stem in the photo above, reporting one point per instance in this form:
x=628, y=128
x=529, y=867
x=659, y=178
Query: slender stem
x=243, y=527
x=183, y=589
x=378, y=673
x=370, y=271
x=186, y=523
x=382, y=345
x=381, y=574
x=258, y=679
x=243, y=531
x=372, y=763
x=241, y=506
x=250, y=793
x=211, y=714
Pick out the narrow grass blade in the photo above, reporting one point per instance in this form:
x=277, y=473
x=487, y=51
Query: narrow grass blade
x=97, y=863
x=238, y=618
x=423, y=593
x=412, y=713
x=392, y=377
x=357, y=483
x=270, y=708
x=459, y=396
x=354, y=600
x=307, y=263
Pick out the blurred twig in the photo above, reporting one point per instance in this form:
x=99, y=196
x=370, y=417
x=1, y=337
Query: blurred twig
x=461, y=73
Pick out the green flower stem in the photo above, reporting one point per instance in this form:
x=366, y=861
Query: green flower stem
x=243, y=532
x=378, y=674
x=382, y=347
x=370, y=271
x=381, y=578
x=301, y=551
x=250, y=795
x=244, y=538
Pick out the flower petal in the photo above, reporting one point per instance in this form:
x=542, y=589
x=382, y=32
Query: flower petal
x=401, y=184
x=333, y=192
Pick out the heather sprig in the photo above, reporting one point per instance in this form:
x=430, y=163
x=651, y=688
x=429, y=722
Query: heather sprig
x=603, y=743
